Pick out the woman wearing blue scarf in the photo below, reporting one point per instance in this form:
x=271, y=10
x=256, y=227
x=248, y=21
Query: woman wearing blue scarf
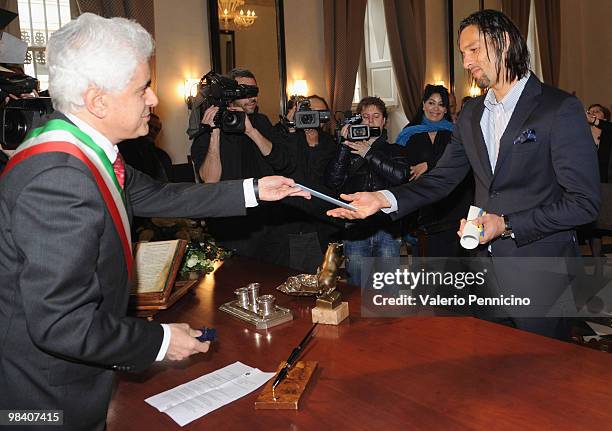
x=426, y=139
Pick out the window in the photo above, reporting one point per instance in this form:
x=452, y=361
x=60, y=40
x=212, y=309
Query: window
x=376, y=76
x=38, y=19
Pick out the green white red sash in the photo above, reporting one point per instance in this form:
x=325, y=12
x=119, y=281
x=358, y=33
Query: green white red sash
x=60, y=136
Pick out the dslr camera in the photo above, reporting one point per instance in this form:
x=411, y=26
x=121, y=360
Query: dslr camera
x=356, y=130
x=219, y=90
x=18, y=116
x=306, y=118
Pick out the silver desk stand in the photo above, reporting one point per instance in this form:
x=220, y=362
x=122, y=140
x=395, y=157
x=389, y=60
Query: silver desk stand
x=281, y=315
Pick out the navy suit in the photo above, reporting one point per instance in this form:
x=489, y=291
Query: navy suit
x=546, y=178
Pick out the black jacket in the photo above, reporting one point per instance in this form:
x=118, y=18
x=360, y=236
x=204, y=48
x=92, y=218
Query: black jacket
x=383, y=166
x=240, y=156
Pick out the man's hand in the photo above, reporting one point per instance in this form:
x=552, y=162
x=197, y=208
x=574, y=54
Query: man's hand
x=209, y=116
x=183, y=342
x=275, y=188
x=492, y=224
x=367, y=203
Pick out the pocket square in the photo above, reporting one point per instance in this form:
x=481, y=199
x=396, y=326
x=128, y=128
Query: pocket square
x=526, y=136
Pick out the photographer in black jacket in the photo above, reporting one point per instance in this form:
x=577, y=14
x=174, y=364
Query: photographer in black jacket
x=369, y=165
x=257, y=152
x=307, y=229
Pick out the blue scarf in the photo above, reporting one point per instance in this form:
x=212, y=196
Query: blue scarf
x=425, y=126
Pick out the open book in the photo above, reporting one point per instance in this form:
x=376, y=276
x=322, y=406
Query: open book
x=156, y=265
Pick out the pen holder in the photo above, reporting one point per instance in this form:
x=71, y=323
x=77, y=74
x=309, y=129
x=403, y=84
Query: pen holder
x=288, y=393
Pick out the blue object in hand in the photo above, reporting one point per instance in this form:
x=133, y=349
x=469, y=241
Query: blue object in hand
x=208, y=334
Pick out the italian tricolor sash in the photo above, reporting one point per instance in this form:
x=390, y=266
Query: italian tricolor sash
x=60, y=136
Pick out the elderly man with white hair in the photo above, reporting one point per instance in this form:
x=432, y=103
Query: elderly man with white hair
x=66, y=201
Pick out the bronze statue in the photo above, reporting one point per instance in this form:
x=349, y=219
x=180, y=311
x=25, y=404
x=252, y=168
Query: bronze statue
x=327, y=276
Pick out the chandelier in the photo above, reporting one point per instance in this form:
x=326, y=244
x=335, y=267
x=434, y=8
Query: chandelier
x=230, y=17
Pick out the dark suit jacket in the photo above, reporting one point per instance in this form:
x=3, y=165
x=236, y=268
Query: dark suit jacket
x=64, y=285
x=547, y=185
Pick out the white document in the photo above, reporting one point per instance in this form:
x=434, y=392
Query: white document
x=201, y=396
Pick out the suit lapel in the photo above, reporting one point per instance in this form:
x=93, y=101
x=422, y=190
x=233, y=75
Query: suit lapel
x=526, y=104
x=478, y=139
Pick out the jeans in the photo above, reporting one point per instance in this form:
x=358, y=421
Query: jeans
x=380, y=244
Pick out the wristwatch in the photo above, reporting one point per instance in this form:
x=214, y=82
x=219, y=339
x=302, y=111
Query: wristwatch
x=507, y=233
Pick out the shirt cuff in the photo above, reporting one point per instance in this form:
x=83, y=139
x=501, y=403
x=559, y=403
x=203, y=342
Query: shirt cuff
x=391, y=198
x=249, y=193
x=165, y=343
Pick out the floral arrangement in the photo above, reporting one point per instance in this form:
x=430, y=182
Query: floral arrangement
x=200, y=256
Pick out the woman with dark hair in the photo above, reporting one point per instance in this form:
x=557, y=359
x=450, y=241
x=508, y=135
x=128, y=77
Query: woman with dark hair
x=426, y=138
x=436, y=99
x=598, y=117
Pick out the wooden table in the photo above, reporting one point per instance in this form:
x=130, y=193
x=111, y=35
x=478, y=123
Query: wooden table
x=437, y=373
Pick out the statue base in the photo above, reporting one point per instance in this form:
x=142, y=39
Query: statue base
x=330, y=316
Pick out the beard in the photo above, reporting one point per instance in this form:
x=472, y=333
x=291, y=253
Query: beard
x=483, y=82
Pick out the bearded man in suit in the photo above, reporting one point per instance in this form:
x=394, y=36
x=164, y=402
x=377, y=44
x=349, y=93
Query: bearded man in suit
x=66, y=201
x=533, y=160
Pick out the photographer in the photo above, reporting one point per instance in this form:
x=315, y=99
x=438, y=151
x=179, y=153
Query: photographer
x=306, y=228
x=257, y=152
x=372, y=164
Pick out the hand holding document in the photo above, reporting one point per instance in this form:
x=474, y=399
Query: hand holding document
x=196, y=398
x=326, y=198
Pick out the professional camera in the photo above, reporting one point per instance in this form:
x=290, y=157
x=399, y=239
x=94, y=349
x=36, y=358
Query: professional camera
x=356, y=130
x=18, y=116
x=305, y=118
x=219, y=91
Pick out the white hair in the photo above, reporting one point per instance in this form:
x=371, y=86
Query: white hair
x=94, y=51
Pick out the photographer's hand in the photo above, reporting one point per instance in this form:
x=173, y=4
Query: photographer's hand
x=264, y=145
x=209, y=116
x=312, y=137
x=359, y=147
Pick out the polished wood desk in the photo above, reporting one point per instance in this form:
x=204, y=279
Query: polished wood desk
x=411, y=374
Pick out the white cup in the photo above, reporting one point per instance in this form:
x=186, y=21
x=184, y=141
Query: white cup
x=470, y=237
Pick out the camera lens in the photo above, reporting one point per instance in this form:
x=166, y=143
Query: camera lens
x=231, y=119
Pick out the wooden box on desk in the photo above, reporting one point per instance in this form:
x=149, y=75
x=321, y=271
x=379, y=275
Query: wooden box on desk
x=156, y=265
x=287, y=394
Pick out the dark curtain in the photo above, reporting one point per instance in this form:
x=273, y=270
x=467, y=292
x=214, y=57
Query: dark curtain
x=518, y=12
x=343, y=28
x=548, y=19
x=406, y=32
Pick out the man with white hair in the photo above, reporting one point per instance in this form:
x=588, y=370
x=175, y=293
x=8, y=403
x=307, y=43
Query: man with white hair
x=66, y=200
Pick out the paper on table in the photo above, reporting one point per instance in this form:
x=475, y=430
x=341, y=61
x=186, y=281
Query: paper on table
x=201, y=396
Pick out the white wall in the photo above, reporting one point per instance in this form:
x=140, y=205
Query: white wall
x=182, y=51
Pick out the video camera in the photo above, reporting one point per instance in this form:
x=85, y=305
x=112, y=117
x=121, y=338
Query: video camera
x=18, y=116
x=356, y=130
x=305, y=118
x=218, y=90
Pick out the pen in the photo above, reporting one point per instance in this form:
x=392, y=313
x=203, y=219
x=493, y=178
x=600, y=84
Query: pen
x=295, y=353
